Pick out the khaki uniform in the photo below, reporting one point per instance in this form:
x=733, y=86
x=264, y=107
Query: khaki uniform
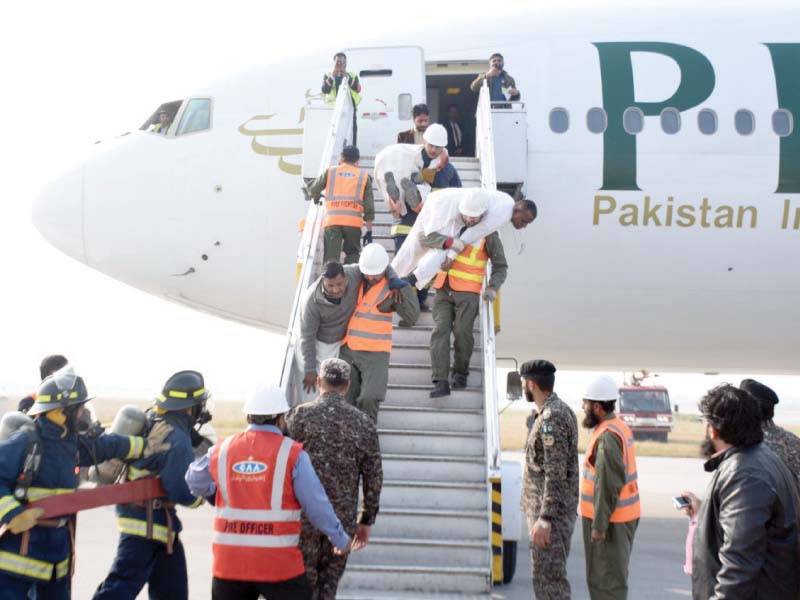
x=785, y=444
x=370, y=370
x=550, y=487
x=607, y=560
x=342, y=443
x=455, y=312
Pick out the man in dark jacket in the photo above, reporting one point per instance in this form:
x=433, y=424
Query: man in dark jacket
x=747, y=543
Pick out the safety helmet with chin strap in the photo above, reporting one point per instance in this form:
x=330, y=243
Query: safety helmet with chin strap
x=60, y=390
x=182, y=390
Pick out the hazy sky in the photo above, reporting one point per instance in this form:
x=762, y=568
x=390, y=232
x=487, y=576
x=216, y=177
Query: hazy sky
x=76, y=72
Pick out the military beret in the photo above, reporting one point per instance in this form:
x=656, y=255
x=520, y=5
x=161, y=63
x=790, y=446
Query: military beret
x=537, y=367
x=760, y=391
x=334, y=371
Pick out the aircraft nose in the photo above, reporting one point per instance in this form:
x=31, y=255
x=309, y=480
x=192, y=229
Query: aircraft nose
x=58, y=213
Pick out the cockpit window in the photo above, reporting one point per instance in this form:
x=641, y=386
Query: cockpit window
x=162, y=119
x=196, y=116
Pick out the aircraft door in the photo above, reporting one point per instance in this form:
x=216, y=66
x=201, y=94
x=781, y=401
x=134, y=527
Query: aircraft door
x=392, y=82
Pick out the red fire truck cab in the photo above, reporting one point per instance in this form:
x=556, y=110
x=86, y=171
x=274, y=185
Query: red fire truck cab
x=647, y=411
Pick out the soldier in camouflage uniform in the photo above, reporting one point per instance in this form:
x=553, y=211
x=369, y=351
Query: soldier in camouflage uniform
x=783, y=443
x=342, y=442
x=550, y=481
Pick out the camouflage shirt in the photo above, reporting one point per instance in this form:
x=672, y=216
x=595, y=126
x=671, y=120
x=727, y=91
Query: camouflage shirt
x=785, y=444
x=550, y=475
x=342, y=443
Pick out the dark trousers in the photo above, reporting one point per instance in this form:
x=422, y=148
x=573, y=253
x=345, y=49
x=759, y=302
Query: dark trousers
x=16, y=588
x=140, y=561
x=422, y=294
x=453, y=312
x=291, y=589
x=338, y=237
x=323, y=568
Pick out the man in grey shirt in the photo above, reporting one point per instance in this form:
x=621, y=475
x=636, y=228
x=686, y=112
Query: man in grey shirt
x=325, y=310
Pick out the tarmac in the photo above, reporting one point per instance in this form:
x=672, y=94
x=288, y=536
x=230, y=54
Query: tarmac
x=656, y=570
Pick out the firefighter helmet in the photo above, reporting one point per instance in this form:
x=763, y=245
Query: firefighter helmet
x=183, y=390
x=60, y=390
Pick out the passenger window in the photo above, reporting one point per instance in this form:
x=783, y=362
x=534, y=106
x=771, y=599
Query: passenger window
x=559, y=120
x=196, y=116
x=158, y=124
x=707, y=121
x=671, y=120
x=744, y=121
x=596, y=120
x=404, y=107
x=633, y=120
x=782, y=122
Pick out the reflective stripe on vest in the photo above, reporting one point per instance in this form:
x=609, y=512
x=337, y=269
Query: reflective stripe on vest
x=31, y=567
x=369, y=329
x=7, y=504
x=138, y=527
x=628, y=507
x=37, y=493
x=343, y=196
x=330, y=97
x=468, y=270
x=255, y=537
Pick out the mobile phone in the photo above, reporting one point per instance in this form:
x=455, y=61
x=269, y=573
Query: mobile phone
x=681, y=502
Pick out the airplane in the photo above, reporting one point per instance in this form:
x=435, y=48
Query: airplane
x=659, y=142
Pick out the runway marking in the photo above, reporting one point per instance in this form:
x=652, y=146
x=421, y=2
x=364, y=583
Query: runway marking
x=687, y=593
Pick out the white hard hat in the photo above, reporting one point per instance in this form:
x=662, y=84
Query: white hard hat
x=602, y=389
x=373, y=260
x=266, y=400
x=436, y=135
x=474, y=202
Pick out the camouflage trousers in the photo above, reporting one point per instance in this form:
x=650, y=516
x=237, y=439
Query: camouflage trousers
x=550, y=563
x=323, y=568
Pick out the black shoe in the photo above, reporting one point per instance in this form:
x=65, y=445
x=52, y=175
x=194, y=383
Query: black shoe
x=440, y=388
x=423, y=307
x=391, y=187
x=459, y=381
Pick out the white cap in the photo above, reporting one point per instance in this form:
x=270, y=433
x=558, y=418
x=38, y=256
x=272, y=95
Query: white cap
x=602, y=389
x=373, y=260
x=266, y=400
x=474, y=202
x=436, y=135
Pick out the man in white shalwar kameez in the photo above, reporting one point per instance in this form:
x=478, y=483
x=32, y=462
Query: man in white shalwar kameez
x=464, y=216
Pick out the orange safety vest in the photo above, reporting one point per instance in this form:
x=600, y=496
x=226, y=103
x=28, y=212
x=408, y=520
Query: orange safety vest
x=369, y=329
x=468, y=270
x=257, y=520
x=628, y=507
x=343, y=196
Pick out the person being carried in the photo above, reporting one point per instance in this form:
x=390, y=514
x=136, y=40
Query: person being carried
x=349, y=205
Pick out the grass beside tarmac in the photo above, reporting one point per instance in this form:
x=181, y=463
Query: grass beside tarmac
x=684, y=441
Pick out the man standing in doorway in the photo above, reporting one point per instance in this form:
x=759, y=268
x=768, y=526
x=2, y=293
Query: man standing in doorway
x=609, y=502
x=455, y=133
x=502, y=86
x=549, y=481
x=333, y=80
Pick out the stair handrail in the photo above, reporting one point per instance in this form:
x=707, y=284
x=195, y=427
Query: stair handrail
x=485, y=147
x=340, y=129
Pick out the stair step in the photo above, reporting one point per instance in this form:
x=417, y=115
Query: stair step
x=431, y=442
x=421, y=375
x=432, y=468
x=400, y=595
x=404, y=351
x=435, y=419
x=421, y=553
x=465, y=580
x=419, y=495
x=433, y=524
x=419, y=395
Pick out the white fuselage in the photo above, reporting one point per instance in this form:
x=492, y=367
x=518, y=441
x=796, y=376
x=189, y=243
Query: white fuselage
x=610, y=276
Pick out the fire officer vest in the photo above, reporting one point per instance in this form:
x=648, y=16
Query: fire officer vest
x=468, y=270
x=257, y=520
x=628, y=507
x=343, y=196
x=369, y=329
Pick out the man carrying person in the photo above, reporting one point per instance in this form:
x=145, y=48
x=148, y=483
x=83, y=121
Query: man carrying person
x=342, y=443
x=349, y=204
x=746, y=543
x=260, y=483
x=549, y=480
x=457, y=304
x=368, y=341
x=502, y=87
x=609, y=501
x=421, y=117
x=463, y=217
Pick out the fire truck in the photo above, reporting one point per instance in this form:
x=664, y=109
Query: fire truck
x=646, y=410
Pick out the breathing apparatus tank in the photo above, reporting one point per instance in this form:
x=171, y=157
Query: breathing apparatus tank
x=130, y=420
x=12, y=422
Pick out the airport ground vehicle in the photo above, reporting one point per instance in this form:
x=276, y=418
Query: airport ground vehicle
x=647, y=411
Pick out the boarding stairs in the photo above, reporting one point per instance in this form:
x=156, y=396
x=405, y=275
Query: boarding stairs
x=433, y=536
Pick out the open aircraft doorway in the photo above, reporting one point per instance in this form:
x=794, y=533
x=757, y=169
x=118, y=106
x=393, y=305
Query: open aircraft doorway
x=447, y=84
